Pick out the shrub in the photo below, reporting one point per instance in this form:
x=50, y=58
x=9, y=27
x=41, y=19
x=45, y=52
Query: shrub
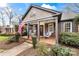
x=60, y=51
x=14, y=38
x=17, y=36
x=71, y=39
x=53, y=51
x=42, y=49
x=11, y=39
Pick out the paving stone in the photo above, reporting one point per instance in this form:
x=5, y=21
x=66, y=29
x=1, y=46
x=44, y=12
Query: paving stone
x=16, y=50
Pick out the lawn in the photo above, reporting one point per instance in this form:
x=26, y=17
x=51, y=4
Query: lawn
x=4, y=38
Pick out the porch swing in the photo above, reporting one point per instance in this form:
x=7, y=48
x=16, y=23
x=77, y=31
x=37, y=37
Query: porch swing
x=50, y=31
x=48, y=34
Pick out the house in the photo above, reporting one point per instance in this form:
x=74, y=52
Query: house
x=45, y=22
x=7, y=29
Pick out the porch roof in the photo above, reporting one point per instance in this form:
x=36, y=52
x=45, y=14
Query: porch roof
x=57, y=13
x=46, y=19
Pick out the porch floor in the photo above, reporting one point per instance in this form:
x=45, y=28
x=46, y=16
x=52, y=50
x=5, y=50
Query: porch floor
x=50, y=40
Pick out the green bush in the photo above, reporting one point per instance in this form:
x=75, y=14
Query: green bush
x=17, y=36
x=11, y=39
x=42, y=49
x=14, y=38
x=60, y=51
x=55, y=50
x=71, y=39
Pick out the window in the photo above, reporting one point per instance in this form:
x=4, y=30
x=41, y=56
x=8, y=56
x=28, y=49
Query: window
x=68, y=26
x=51, y=27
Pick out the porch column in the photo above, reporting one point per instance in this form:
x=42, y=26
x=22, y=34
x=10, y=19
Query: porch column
x=27, y=30
x=56, y=29
x=44, y=29
x=38, y=26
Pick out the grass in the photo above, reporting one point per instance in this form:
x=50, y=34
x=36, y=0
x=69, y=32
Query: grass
x=4, y=38
x=1, y=50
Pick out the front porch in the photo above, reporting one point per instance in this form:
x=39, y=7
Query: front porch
x=42, y=22
x=46, y=30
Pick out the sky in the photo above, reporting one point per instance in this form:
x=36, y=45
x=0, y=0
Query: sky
x=21, y=8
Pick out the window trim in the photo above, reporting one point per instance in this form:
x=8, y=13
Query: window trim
x=70, y=26
x=51, y=25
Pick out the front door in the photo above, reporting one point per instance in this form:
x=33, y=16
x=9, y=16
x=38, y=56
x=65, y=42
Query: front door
x=41, y=30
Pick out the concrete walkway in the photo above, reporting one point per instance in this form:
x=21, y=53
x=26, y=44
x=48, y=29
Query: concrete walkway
x=16, y=50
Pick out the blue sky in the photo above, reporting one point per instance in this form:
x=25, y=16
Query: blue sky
x=21, y=8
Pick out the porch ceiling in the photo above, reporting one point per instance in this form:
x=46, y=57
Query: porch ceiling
x=43, y=20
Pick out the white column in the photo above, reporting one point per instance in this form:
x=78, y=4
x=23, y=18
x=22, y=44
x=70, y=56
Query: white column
x=27, y=30
x=38, y=26
x=44, y=29
x=56, y=29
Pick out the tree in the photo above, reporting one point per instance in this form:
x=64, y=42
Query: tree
x=77, y=19
x=74, y=7
x=9, y=13
x=16, y=20
x=13, y=16
x=2, y=18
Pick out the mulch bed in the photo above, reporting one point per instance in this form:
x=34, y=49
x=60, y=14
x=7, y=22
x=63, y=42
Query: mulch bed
x=5, y=45
x=28, y=52
x=33, y=52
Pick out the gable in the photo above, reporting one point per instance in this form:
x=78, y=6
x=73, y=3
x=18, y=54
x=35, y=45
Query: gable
x=35, y=13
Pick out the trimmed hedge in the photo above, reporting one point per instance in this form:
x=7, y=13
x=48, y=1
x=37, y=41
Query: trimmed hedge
x=71, y=39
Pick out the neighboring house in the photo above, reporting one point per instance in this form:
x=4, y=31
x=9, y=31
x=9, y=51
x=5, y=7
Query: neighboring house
x=43, y=21
x=7, y=29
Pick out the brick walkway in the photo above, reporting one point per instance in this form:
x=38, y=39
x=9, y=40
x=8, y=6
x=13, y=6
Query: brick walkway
x=16, y=50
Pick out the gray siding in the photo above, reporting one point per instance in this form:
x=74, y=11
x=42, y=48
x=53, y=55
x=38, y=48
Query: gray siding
x=74, y=27
x=61, y=27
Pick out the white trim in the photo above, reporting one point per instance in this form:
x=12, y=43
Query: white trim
x=70, y=26
x=52, y=27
